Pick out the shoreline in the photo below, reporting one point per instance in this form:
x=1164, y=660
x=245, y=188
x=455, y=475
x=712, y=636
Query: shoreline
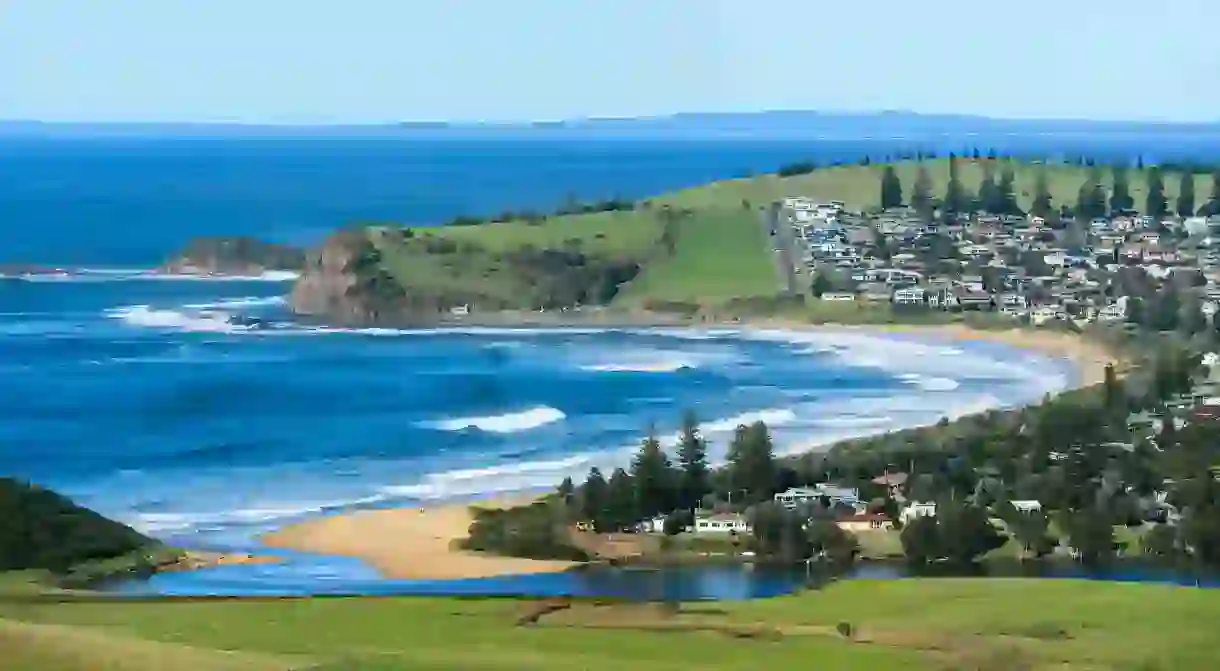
x=410, y=543
x=419, y=543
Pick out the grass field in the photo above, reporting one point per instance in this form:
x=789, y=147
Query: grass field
x=627, y=233
x=720, y=254
x=859, y=186
x=934, y=624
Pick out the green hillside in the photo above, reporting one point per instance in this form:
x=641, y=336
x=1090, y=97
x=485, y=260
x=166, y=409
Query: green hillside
x=704, y=245
x=853, y=625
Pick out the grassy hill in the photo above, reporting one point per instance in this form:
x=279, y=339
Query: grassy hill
x=923, y=624
x=703, y=245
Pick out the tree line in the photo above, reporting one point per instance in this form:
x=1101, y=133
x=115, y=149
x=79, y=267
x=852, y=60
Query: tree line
x=997, y=195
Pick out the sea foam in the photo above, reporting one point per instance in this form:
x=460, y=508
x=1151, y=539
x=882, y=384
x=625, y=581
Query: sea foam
x=511, y=422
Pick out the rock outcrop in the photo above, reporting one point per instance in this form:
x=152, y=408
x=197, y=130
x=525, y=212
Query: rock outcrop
x=334, y=282
x=234, y=256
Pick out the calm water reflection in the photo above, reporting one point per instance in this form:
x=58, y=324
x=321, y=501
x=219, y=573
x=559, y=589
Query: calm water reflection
x=310, y=575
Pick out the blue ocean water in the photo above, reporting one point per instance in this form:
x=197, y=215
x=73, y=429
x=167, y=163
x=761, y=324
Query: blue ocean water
x=129, y=394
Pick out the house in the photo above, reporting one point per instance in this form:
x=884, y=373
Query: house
x=459, y=310
x=838, y=296
x=893, y=482
x=848, y=496
x=655, y=525
x=865, y=522
x=1026, y=506
x=915, y=510
x=721, y=523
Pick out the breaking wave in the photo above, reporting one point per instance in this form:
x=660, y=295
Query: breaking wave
x=512, y=422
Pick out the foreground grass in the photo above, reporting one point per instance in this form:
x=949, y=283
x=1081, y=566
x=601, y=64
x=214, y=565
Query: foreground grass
x=935, y=624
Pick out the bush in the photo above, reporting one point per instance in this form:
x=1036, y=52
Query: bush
x=40, y=529
x=845, y=629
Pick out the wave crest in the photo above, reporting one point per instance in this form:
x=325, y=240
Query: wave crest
x=512, y=422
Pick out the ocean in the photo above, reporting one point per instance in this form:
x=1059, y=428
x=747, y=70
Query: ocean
x=126, y=392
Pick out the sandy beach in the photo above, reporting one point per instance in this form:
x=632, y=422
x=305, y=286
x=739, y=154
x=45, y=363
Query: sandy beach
x=409, y=543
x=419, y=543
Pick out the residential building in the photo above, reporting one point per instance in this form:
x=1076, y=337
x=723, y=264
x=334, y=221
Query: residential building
x=865, y=522
x=721, y=523
x=916, y=509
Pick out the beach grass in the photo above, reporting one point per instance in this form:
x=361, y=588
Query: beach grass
x=935, y=624
x=859, y=186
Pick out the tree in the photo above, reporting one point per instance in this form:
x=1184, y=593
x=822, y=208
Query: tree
x=921, y=194
x=1031, y=531
x=1091, y=534
x=1091, y=199
x=566, y=491
x=1185, y=205
x=1212, y=206
x=891, y=188
x=621, y=509
x=965, y=532
x=1120, y=193
x=920, y=540
x=653, y=479
x=989, y=193
x=751, y=467
x=593, y=498
x=694, y=480
x=1042, y=205
x=954, y=200
x=1006, y=192
x=1155, y=203
x=779, y=533
x=821, y=284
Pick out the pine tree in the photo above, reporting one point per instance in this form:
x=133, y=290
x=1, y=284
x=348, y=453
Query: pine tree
x=891, y=188
x=954, y=201
x=1006, y=192
x=1212, y=206
x=1185, y=205
x=653, y=479
x=593, y=498
x=694, y=475
x=621, y=510
x=989, y=192
x=1155, y=204
x=1120, y=194
x=1042, y=205
x=751, y=459
x=921, y=195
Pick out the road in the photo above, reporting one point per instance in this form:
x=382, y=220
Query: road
x=783, y=245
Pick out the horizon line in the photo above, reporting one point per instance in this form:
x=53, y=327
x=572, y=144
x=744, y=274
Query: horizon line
x=577, y=120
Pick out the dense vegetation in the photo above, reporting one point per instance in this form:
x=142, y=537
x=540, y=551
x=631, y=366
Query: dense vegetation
x=40, y=529
x=239, y=254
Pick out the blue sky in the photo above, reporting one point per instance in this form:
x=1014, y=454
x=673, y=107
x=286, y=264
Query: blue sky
x=356, y=61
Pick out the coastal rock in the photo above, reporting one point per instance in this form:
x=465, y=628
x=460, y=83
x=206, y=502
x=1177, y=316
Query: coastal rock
x=234, y=256
x=334, y=282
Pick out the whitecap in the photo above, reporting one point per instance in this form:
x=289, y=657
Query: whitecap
x=511, y=422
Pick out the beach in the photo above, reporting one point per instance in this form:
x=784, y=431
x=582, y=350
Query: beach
x=419, y=543
x=410, y=543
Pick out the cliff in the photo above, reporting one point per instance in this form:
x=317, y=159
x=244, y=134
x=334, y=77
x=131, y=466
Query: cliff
x=342, y=282
x=234, y=256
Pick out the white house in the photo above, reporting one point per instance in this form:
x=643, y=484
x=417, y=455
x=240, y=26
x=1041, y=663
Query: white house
x=915, y=510
x=909, y=296
x=794, y=496
x=838, y=296
x=1027, y=506
x=721, y=523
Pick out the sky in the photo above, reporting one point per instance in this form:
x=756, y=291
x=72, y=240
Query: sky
x=373, y=61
